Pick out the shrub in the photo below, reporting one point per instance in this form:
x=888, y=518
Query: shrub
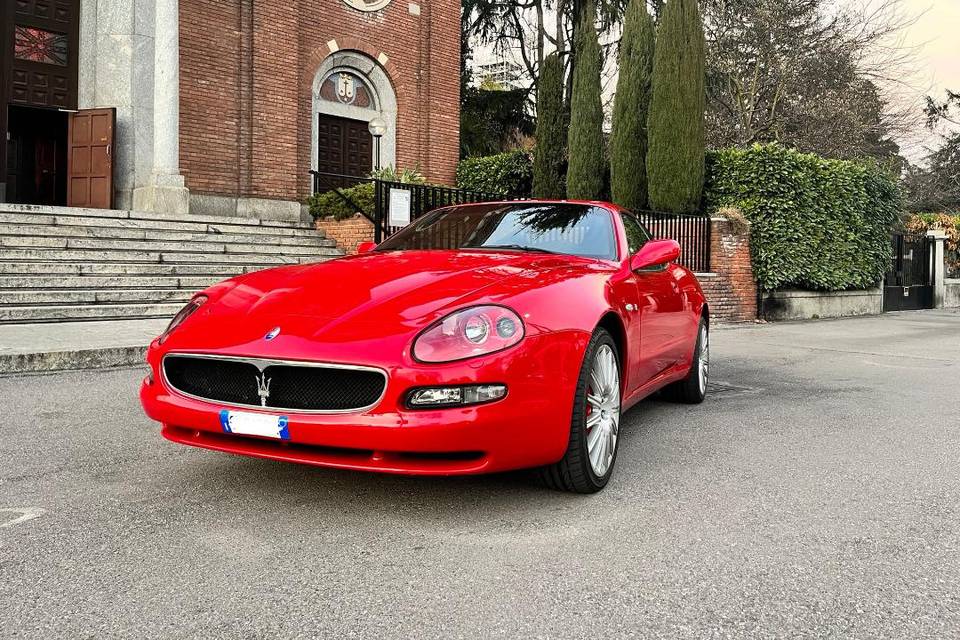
x=586, y=151
x=549, y=160
x=509, y=173
x=675, y=128
x=738, y=221
x=814, y=223
x=949, y=224
x=330, y=203
x=409, y=176
x=628, y=141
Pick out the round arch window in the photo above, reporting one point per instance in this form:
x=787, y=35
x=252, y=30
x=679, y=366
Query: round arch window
x=368, y=5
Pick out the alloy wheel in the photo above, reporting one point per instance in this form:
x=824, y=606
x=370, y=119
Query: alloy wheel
x=603, y=410
x=704, y=359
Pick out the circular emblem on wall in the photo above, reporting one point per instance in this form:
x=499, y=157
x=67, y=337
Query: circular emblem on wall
x=368, y=5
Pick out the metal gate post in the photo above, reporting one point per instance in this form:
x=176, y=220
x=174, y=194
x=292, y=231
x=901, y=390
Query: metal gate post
x=937, y=239
x=379, y=218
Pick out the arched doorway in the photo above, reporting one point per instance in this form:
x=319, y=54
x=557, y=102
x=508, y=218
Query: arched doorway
x=350, y=90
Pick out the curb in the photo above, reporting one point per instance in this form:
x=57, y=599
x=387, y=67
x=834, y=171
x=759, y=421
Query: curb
x=17, y=363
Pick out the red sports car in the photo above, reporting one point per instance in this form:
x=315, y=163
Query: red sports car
x=480, y=338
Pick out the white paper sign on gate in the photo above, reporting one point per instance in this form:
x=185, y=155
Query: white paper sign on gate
x=399, y=208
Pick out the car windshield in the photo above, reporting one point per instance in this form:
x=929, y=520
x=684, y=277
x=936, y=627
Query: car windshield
x=574, y=229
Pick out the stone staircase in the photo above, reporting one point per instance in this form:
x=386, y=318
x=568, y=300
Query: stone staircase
x=60, y=264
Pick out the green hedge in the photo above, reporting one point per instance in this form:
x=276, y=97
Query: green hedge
x=330, y=204
x=816, y=224
x=509, y=173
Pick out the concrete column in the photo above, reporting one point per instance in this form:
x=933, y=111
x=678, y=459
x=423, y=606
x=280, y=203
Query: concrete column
x=938, y=262
x=165, y=191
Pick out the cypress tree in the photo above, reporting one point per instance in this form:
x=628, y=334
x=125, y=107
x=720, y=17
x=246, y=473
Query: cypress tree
x=628, y=141
x=548, y=159
x=586, y=166
x=675, y=127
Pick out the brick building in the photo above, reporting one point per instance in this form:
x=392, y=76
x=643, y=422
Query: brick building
x=220, y=106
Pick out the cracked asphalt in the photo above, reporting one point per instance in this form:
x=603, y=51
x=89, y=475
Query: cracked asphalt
x=814, y=494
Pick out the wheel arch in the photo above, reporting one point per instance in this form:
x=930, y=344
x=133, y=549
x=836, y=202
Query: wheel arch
x=614, y=326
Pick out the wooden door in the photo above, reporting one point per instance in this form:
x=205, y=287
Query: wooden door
x=90, y=158
x=357, y=156
x=330, y=144
x=344, y=146
x=45, y=170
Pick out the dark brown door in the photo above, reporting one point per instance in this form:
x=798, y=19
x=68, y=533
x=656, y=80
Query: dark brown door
x=344, y=146
x=45, y=176
x=90, y=158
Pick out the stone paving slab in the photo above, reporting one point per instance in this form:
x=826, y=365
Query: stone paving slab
x=32, y=348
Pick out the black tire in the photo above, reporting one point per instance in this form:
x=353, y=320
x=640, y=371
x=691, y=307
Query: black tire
x=574, y=472
x=690, y=390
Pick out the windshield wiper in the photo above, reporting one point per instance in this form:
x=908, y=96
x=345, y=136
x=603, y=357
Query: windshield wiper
x=517, y=247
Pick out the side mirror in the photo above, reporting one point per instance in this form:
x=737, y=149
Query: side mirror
x=654, y=254
x=366, y=247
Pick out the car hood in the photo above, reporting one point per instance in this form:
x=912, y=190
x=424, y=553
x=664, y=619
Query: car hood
x=362, y=298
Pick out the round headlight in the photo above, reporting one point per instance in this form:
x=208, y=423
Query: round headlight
x=470, y=332
x=506, y=327
x=476, y=329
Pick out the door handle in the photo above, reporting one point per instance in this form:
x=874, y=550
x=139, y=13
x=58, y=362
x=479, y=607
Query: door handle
x=109, y=149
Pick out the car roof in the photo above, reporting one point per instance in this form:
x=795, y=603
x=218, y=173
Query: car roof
x=591, y=203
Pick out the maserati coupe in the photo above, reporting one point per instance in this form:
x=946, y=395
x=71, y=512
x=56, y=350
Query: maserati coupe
x=479, y=338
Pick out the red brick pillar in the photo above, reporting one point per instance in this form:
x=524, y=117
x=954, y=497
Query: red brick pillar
x=348, y=233
x=730, y=288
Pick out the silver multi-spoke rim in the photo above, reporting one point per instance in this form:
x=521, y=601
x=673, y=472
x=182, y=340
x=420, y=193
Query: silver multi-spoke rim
x=704, y=358
x=603, y=410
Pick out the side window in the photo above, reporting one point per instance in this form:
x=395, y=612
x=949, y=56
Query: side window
x=637, y=236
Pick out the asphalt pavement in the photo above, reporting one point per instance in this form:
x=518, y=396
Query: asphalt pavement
x=816, y=493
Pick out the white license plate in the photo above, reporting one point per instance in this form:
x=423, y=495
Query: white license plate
x=254, y=424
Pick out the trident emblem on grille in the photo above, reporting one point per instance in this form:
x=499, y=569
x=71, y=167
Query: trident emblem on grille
x=263, y=389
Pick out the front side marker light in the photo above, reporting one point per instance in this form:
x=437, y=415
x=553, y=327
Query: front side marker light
x=434, y=397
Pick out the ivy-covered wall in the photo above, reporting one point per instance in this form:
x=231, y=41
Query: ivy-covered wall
x=815, y=223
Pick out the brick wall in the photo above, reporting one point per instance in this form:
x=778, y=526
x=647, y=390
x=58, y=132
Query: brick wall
x=730, y=288
x=247, y=70
x=210, y=105
x=347, y=233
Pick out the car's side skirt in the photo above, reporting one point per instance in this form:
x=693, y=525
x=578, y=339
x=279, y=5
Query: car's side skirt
x=662, y=379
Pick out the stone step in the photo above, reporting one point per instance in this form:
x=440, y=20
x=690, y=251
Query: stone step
x=140, y=215
x=125, y=269
x=136, y=223
x=127, y=233
x=172, y=257
x=84, y=265
x=28, y=297
x=54, y=282
x=55, y=346
x=113, y=244
x=60, y=313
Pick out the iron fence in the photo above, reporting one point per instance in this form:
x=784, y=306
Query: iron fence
x=692, y=231
x=424, y=198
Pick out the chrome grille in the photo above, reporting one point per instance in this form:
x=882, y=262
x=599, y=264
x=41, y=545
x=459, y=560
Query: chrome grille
x=283, y=385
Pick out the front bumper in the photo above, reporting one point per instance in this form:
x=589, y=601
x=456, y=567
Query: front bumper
x=527, y=428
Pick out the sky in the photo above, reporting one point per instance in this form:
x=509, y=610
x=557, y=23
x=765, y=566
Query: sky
x=937, y=36
x=935, y=40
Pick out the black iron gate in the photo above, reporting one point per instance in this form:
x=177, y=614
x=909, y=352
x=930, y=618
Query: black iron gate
x=908, y=285
x=692, y=231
